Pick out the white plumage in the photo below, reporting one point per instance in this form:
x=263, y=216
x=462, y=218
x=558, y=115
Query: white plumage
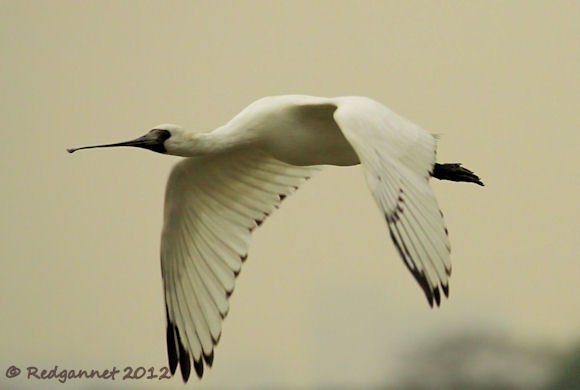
x=237, y=175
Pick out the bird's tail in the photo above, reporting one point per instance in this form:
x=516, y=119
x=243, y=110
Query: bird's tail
x=455, y=172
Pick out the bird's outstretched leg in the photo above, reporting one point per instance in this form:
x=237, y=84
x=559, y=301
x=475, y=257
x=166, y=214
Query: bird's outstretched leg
x=455, y=172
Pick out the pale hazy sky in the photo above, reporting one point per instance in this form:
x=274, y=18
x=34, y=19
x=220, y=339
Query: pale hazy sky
x=323, y=297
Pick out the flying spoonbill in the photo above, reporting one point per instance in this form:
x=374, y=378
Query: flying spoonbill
x=237, y=175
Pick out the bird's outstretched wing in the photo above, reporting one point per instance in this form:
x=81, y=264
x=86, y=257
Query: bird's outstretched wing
x=398, y=158
x=211, y=206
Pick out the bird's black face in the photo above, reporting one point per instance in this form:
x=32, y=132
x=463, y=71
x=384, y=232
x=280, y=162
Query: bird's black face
x=153, y=140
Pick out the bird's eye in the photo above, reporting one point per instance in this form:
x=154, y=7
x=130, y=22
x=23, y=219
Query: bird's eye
x=160, y=134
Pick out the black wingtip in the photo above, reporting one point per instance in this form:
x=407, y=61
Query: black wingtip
x=437, y=295
x=198, y=365
x=429, y=298
x=171, y=345
x=208, y=359
x=184, y=359
x=445, y=288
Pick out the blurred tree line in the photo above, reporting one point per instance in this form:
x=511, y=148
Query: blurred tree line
x=480, y=361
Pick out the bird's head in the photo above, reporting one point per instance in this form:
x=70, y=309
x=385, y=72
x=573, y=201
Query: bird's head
x=166, y=139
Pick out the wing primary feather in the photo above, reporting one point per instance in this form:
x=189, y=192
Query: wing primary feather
x=438, y=247
x=399, y=245
x=216, y=237
x=202, y=245
x=253, y=186
x=214, y=286
x=414, y=243
x=236, y=243
x=224, y=210
x=195, y=346
x=201, y=323
x=183, y=355
x=223, y=227
x=210, y=312
x=171, y=344
x=260, y=221
x=418, y=241
x=437, y=295
x=184, y=360
x=445, y=288
x=228, y=290
x=203, y=223
x=255, y=181
x=430, y=276
x=198, y=365
x=221, y=188
x=225, y=251
x=411, y=199
x=208, y=359
x=237, y=207
x=223, y=273
x=194, y=328
x=431, y=219
x=420, y=278
x=239, y=194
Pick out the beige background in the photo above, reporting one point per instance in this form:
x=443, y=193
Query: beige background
x=323, y=297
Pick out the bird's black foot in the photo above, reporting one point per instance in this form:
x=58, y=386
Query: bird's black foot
x=455, y=172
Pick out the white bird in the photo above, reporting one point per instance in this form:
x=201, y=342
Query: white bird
x=237, y=175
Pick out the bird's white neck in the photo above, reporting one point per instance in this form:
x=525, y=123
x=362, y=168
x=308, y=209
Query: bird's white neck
x=203, y=144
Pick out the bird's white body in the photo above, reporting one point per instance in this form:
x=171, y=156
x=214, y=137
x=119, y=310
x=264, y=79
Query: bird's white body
x=293, y=133
x=236, y=175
